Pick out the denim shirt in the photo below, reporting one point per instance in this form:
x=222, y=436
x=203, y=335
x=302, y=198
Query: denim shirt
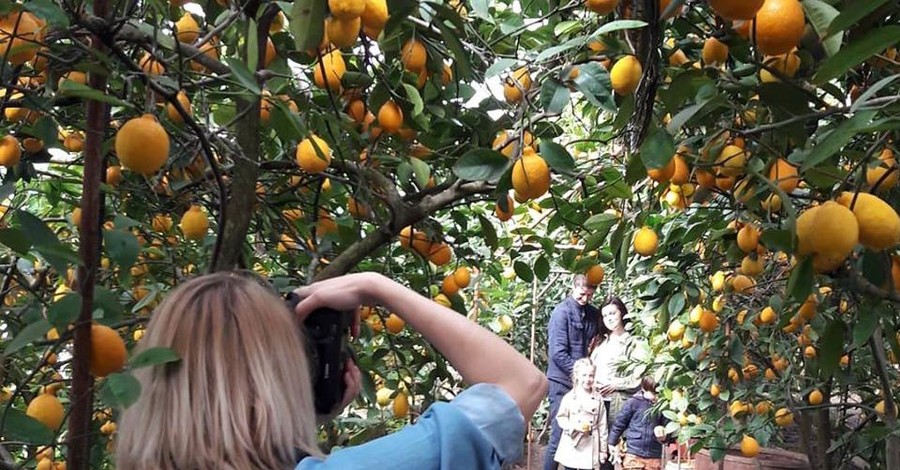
x=571, y=329
x=482, y=428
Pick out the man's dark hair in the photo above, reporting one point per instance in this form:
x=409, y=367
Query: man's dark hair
x=648, y=384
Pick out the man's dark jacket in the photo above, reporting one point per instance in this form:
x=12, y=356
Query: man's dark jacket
x=637, y=426
x=571, y=329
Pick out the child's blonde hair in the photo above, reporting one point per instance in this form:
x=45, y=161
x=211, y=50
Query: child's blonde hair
x=239, y=398
x=583, y=363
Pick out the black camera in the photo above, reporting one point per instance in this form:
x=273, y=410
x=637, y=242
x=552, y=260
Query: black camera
x=327, y=333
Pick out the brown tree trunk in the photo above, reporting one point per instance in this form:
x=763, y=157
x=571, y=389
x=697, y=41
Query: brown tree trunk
x=892, y=445
x=81, y=395
x=241, y=193
x=646, y=49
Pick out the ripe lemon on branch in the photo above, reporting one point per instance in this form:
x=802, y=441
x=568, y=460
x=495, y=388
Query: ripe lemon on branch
x=879, y=224
x=108, y=353
x=531, y=175
x=646, y=241
x=626, y=75
x=779, y=26
x=313, y=155
x=47, y=409
x=194, y=223
x=142, y=145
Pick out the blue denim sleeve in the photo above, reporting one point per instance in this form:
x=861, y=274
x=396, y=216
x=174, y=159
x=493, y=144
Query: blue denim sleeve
x=481, y=428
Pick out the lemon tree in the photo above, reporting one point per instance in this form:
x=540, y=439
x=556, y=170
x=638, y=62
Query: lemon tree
x=711, y=158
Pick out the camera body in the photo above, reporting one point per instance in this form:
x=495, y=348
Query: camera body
x=327, y=333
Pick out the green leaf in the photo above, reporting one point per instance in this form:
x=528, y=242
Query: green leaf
x=15, y=239
x=36, y=229
x=307, y=23
x=523, y=271
x=77, y=90
x=617, y=25
x=252, y=46
x=736, y=349
x=833, y=142
x=153, y=357
x=108, y=302
x=64, y=312
x=461, y=62
x=778, y=240
x=499, y=66
x=573, y=43
x=224, y=113
x=122, y=247
x=871, y=91
x=542, y=268
x=481, y=164
x=29, y=334
x=122, y=222
x=851, y=15
x=480, y=8
x=596, y=239
x=46, y=129
x=676, y=304
x=832, y=344
x=593, y=82
x=602, y=221
x=557, y=157
x=856, y=52
x=243, y=75
x=18, y=426
x=286, y=123
x=49, y=12
x=412, y=94
x=554, y=96
x=488, y=232
x=657, y=149
x=800, y=284
x=820, y=15
x=120, y=390
x=876, y=267
x=59, y=256
x=864, y=326
x=421, y=170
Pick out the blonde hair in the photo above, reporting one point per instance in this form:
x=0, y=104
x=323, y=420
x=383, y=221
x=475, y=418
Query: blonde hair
x=583, y=363
x=241, y=395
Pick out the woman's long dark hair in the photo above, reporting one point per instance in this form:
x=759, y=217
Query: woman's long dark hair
x=602, y=331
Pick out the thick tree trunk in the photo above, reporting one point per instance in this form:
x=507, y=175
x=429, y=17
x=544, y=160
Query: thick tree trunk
x=241, y=195
x=81, y=394
x=892, y=445
x=646, y=49
x=234, y=223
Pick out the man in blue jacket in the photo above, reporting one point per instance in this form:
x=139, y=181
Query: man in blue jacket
x=572, y=325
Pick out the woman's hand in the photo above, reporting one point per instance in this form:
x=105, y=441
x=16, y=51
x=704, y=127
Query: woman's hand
x=605, y=390
x=345, y=293
x=352, y=387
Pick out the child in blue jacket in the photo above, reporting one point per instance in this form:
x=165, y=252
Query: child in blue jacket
x=643, y=431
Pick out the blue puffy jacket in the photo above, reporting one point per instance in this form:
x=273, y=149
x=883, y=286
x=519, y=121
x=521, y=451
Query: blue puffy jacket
x=571, y=329
x=636, y=424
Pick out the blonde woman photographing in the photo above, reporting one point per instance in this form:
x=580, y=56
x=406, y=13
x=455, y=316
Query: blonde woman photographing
x=241, y=395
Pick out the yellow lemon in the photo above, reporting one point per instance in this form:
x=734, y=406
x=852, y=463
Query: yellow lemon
x=626, y=75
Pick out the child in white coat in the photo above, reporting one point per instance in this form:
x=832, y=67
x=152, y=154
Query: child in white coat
x=582, y=418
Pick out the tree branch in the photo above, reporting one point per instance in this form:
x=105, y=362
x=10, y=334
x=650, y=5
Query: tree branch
x=408, y=215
